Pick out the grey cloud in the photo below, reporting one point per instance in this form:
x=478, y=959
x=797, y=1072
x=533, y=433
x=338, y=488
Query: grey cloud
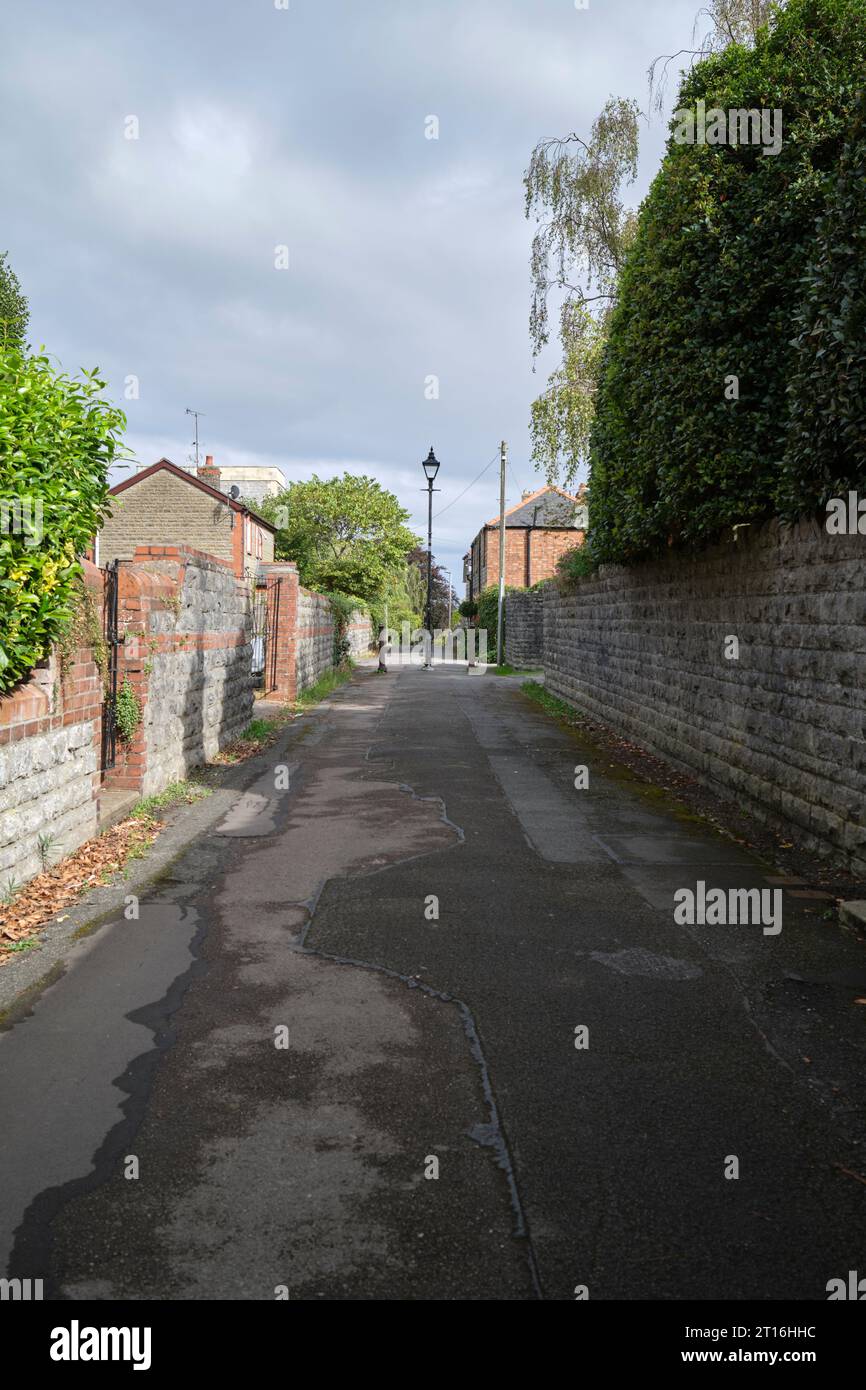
x=260, y=127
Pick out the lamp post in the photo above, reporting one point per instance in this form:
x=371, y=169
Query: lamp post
x=431, y=468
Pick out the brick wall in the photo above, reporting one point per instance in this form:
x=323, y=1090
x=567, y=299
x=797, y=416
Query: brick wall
x=186, y=624
x=783, y=728
x=302, y=629
x=546, y=549
x=524, y=627
x=187, y=654
x=49, y=741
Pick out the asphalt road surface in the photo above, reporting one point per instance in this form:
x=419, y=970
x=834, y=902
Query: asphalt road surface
x=421, y=1025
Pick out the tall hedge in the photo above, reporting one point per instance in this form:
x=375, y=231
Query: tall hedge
x=827, y=391
x=726, y=263
x=58, y=438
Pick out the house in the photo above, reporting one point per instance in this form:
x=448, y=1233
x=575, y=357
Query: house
x=254, y=481
x=165, y=505
x=538, y=529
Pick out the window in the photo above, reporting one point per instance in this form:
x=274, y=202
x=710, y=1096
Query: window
x=248, y=536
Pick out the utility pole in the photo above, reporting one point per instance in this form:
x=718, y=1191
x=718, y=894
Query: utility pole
x=503, y=464
x=196, y=413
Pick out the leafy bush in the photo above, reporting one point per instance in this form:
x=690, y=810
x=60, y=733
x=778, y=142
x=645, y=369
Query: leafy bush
x=712, y=288
x=488, y=615
x=468, y=608
x=342, y=608
x=575, y=564
x=58, y=439
x=827, y=392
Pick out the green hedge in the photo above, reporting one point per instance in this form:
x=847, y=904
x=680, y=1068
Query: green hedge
x=827, y=391
x=729, y=266
x=58, y=439
x=488, y=616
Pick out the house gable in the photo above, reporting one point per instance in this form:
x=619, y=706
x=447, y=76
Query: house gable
x=166, y=507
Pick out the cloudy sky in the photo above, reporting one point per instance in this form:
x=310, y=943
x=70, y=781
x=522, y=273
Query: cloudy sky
x=304, y=127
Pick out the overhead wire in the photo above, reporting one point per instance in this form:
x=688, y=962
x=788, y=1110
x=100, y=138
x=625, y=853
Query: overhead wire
x=466, y=489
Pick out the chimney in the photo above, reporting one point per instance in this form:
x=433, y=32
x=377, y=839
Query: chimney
x=208, y=473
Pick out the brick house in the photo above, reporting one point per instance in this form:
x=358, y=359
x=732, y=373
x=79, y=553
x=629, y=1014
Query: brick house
x=538, y=529
x=164, y=505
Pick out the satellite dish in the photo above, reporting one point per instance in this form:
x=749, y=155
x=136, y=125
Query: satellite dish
x=234, y=491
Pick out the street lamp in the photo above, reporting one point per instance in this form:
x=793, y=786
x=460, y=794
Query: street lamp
x=431, y=468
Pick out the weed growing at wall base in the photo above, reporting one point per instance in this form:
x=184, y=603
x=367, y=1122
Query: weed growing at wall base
x=322, y=688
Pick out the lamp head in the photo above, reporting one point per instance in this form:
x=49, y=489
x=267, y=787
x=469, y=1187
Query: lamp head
x=431, y=465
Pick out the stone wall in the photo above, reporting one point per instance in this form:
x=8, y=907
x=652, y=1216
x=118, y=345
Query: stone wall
x=781, y=728
x=314, y=651
x=187, y=654
x=524, y=627
x=49, y=742
x=185, y=621
x=360, y=633
x=301, y=633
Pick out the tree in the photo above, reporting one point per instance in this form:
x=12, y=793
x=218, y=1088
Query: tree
x=731, y=21
x=346, y=535
x=561, y=417
x=440, y=587
x=14, y=311
x=58, y=439
x=575, y=190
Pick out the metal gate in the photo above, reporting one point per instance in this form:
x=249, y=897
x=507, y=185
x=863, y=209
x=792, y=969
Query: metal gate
x=266, y=615
x=109, y=706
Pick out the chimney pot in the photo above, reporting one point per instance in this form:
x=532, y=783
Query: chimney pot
x=208, y=473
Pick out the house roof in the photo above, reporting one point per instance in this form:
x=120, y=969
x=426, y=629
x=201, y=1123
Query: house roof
x=546, y=500
x=167, y=466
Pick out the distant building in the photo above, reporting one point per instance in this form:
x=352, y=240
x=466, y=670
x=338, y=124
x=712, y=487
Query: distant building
x=167, y=505
x=254, y=481
x=538, y=529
